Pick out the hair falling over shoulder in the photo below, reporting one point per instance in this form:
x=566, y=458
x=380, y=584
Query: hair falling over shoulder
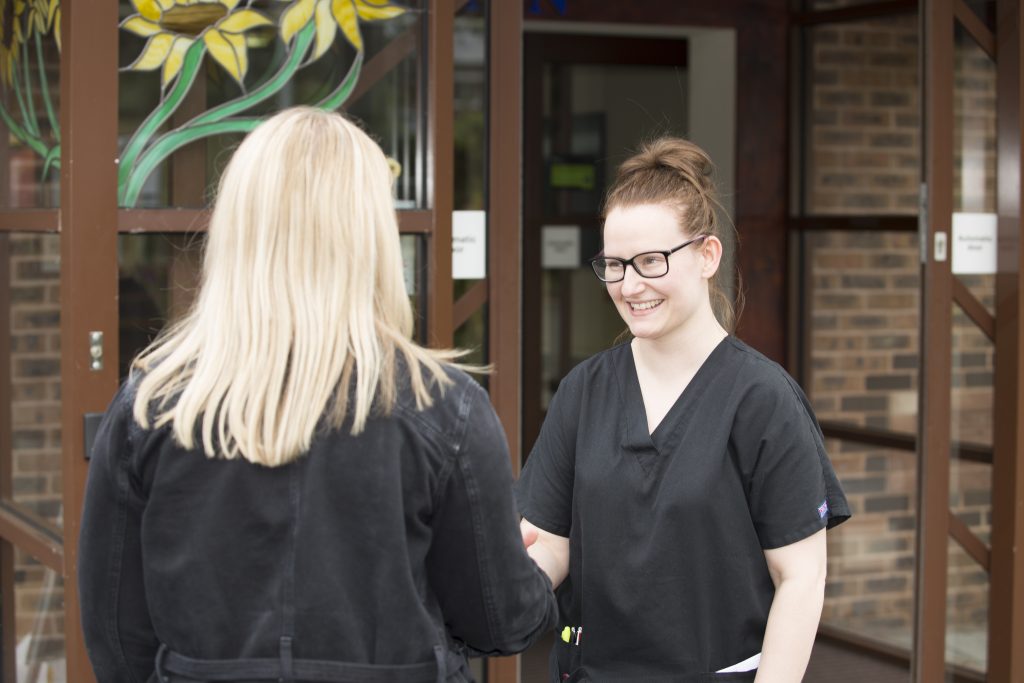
x=679, y=174
x=302, y=312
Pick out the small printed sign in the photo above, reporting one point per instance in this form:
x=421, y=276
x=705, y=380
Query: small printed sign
x=469, y=245
x=560, y=247
x=974, y=243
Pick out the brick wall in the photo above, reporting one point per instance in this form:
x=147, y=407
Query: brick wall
x=36, y=436
x=863, y=302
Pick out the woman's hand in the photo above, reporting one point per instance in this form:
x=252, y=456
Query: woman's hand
x=549, y=551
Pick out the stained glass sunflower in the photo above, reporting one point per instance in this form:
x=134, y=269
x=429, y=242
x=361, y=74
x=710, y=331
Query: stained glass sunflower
x=172, y=26
x=330, y=15
x=11, y=37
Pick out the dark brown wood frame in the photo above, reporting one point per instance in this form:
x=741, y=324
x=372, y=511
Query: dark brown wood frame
x=1006, y=588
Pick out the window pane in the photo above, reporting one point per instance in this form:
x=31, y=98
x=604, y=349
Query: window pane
x=870, y=589
x=863, y=300
x=156, y=284
x=175, y=145
x=38, y=598
x=30, y=106
x=967, y=598
x=30, y=295
x=470, y=106
x=862, y=130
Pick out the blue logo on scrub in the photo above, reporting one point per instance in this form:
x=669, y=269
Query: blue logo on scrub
x=823, y=509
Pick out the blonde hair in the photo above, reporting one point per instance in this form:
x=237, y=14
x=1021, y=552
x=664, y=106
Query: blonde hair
x=302, y=297
x=678, y=174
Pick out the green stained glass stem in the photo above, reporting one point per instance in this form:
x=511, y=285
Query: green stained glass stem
x=190, y=67
x=344, y=90
x=15, y=128
x=30, y=122
x=19, y=95
x=171, y=142
x=303, y=40
x=52, y=160
x=44, y=88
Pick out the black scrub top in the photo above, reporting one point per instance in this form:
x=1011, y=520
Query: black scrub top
x=667, y=531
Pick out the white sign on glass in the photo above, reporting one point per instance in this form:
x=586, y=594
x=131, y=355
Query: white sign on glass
x=469, y=245
x=560, y=246
x=974, y=243
x=408, y=243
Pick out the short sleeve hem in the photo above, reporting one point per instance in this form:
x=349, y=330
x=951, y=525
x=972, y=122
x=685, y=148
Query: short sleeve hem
x=772, y=542
x=544, y=524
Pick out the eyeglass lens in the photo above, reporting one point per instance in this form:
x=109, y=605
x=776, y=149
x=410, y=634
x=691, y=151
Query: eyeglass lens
x=648, y=265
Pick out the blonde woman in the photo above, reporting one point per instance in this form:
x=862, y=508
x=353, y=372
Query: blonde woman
x=288, y=488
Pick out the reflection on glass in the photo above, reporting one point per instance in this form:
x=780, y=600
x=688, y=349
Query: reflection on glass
x=579, y=320
x=413, y=271
x=32, y=295
x=472, y=336
x=470, y=106
x=198, y=76
x=157, y=280
x=972, y=382
x=984, y=10
x=863, y=314
x=862, y=141
x=595, y=116
x=30, y=103
x=967, y=598
x=870, y=588
x=38, y=623
x=974, y=129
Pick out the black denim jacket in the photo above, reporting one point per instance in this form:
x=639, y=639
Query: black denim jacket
x=369, y=549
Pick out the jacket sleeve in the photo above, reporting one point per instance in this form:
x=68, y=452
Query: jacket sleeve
x=493, y=596
x=118, y=633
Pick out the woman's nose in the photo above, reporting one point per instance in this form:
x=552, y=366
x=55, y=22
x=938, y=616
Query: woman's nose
x=632, y=282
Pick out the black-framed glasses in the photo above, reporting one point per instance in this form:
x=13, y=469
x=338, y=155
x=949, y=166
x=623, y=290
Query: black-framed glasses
x=650, y=264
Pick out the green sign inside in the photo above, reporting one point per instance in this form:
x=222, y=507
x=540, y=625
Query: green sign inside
x=566, y=176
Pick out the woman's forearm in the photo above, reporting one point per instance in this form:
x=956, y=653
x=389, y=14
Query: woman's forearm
x=792, y=625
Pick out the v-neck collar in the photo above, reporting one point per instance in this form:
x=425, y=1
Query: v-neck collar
x=636, y=437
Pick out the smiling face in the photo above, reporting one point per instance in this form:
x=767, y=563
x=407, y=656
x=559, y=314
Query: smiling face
x=660, y=308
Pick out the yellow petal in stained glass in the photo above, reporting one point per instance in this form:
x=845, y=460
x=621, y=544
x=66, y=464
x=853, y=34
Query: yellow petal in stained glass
x=295, y=18
x=141, y=26
x=230, y=4
x=175, y=60
x=150, y=9
x=370, y=11
x=345, y=14
x=326, y=29
x=228, y=49
x=242, y=20
x=154, y=54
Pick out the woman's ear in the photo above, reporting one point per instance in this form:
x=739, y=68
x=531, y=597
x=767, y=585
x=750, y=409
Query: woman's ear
x=711, y=256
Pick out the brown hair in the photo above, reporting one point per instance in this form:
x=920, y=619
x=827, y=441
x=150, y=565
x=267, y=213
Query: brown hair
x=678, y=174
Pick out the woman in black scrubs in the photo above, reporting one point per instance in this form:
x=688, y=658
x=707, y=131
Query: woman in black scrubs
x=679, y=490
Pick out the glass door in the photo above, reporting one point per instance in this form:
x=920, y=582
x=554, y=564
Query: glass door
x=968, y=443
